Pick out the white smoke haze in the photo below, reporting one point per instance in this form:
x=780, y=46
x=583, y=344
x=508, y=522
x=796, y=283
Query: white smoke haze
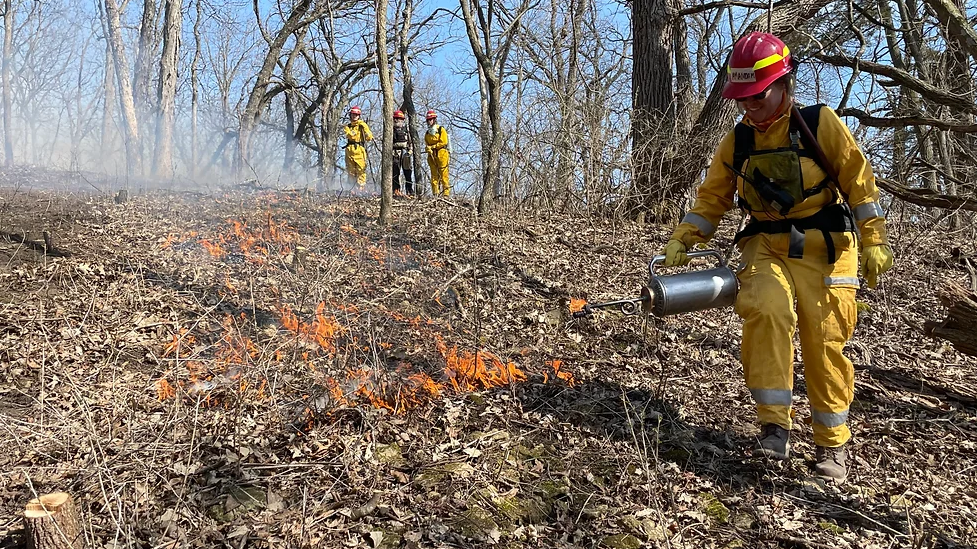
x=66, y=110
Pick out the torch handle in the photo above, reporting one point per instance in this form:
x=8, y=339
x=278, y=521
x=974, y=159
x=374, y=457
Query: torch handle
x=692, y=255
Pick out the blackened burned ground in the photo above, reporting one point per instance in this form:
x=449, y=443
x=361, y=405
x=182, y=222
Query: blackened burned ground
x=646, y=448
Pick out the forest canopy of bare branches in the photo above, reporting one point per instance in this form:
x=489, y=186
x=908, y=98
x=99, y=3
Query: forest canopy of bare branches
x=577, y=105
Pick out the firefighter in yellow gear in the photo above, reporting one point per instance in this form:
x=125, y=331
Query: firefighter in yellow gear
x=800, y=246
x=357, y=134
x=436, y=146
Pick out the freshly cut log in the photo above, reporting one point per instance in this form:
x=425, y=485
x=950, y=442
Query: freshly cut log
x=960, y=326
x=52, y=521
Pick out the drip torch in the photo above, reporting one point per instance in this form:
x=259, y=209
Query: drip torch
x=673, y=294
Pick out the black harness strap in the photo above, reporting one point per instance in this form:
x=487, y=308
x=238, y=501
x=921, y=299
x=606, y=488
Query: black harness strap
x=836, y=218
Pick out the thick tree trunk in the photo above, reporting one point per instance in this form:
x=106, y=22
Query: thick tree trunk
x=132, y=138
x=8, y=37
x=52, y=521
x=653, y=108
x=163, y=153
x=142, y=73
x=387, y=89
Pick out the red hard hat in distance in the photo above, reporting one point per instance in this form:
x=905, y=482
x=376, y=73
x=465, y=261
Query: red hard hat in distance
x=355, y=110
x=431, y=114
x=399, y=115
x=758, y=59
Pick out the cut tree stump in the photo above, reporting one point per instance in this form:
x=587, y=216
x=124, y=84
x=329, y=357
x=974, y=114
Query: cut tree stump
x=960, y=326
x=52, y=521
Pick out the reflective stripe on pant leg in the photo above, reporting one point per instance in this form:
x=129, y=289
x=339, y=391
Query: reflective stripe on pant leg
x=826, y=321
x=766, y=304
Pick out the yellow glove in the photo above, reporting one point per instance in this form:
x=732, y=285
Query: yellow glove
x=429, y=150
x=676, y=254
x=875, y=260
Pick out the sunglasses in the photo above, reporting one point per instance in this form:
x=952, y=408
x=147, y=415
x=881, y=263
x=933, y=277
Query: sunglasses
x=758, y=97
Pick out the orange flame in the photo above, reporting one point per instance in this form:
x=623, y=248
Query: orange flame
x=577, y=305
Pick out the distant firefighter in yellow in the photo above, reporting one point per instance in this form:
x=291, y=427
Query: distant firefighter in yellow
x=357, y=134
x=438, y=152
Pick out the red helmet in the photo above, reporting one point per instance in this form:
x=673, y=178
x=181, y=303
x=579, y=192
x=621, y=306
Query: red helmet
x=758, y=59
x=431, y=115
x=355, y=110
x=399, y=115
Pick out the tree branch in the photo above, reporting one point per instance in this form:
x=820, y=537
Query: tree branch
x=866, y=119
x=927, y=90
x=724, y=3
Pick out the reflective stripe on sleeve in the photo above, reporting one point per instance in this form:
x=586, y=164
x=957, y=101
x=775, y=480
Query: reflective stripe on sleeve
x=701, y=223
x=829, y=419
x=840, y=281
x=867, y=210
x=771, y=397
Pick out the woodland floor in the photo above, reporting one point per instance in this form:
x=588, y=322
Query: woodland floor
x=268, y=368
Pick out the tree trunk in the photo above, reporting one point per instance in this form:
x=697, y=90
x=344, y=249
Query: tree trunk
x=291, y=99
x=386, y=87
x=52, y=521
x=652, y=122
x=491, y=61
x=194, y=88
x=142, y=72
x=108, y=121
x=8, y=32
x=125, y=88
x=410, y=111
x=166, y=96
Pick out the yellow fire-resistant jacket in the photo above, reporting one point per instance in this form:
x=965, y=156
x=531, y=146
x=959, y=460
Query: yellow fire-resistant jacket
x=716, y=193
x=357, y=131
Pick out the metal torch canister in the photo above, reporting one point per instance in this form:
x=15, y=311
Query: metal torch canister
x=693, y=290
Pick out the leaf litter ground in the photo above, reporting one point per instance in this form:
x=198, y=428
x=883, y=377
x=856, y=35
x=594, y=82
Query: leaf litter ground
x=274, y=369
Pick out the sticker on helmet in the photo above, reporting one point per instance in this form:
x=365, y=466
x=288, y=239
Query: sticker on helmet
x=742, y=75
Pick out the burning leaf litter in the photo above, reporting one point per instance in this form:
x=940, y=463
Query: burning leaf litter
x=325, y=382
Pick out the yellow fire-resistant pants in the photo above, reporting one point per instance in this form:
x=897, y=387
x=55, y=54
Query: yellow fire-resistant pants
x=438, y=162
x=356, y=164
x=770, y=282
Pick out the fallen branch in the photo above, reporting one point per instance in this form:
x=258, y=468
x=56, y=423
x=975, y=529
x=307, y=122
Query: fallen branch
x=926, y=197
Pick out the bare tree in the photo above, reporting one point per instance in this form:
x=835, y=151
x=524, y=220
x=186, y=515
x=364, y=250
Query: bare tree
x=491, y=48
x=132, y=138
x=404, y=41
x=8, y=37
x=166, y=95
x=387, y=89
x=257, y=98
x=194, y=87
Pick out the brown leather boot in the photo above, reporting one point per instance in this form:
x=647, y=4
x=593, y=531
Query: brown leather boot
x=832, y=463
x=774, y=442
